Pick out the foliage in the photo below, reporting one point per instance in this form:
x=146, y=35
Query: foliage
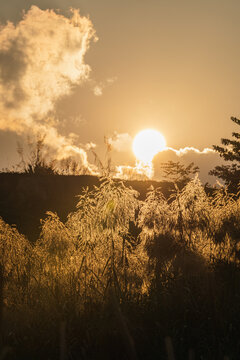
x=101, y=225
x=40, y=162
x=37, y=163
x=231, y=151
x=14, y=251
x=121, y=274
x=178, y=173
x=230, y=174
x=104, y=166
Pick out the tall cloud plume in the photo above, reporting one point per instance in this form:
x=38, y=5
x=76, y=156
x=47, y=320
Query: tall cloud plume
x=41, y=58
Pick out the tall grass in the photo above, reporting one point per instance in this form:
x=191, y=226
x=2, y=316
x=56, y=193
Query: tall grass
x=121, y=275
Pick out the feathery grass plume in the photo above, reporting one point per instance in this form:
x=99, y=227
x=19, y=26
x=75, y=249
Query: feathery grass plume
x=101, y=225
x=174, y=231
x=56, y=262
x=191, y=211
x=225, y=227
x=15, y=251
x=156, y=222
x=182, y=268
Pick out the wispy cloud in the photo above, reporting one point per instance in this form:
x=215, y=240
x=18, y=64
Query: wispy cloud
x=120, y=142
x=189, y=149
x=98, y=87
x=41, y=58
x=127, y=172
x=97, y=90
x=206, y=159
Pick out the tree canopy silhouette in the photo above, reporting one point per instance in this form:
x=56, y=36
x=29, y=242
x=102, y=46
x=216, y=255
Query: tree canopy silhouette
x=230, y=174
x=178, y=173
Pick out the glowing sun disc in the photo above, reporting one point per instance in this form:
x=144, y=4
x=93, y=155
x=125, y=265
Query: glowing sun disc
x=147, y=143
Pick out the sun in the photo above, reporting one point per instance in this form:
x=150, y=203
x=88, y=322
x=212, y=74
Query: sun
x=147, y=143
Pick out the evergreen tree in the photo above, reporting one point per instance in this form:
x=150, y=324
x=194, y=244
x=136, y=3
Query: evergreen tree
x=230, y=174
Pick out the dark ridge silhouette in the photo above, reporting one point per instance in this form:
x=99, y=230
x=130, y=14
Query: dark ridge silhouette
x=25, y=198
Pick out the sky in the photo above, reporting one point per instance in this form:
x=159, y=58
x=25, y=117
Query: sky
x=113, y=68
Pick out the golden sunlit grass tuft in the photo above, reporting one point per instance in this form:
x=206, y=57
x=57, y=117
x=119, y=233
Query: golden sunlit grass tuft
x=118, y=255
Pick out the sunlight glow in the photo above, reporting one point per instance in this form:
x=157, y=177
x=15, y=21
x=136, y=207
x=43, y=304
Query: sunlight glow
x=147, y=144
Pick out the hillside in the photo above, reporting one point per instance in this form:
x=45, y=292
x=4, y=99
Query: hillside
x=24, y=199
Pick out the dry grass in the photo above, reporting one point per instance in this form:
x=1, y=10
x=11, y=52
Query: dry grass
x=121, y=275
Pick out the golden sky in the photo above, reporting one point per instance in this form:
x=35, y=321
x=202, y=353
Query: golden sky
x=168, y=65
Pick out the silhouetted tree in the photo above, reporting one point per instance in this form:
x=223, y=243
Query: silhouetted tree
x=178, y=173
x=230, y=174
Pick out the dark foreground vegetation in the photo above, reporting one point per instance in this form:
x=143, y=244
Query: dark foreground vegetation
x=124, y=278
x=120, y=275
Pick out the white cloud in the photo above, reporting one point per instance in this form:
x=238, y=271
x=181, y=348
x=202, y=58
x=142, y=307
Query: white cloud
x=188, y=149
x=41, y=58
x=99, y=87
x=205, y=159
x=98, y=90
x=120, y=142
x=90, y=146
x=127, y=172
